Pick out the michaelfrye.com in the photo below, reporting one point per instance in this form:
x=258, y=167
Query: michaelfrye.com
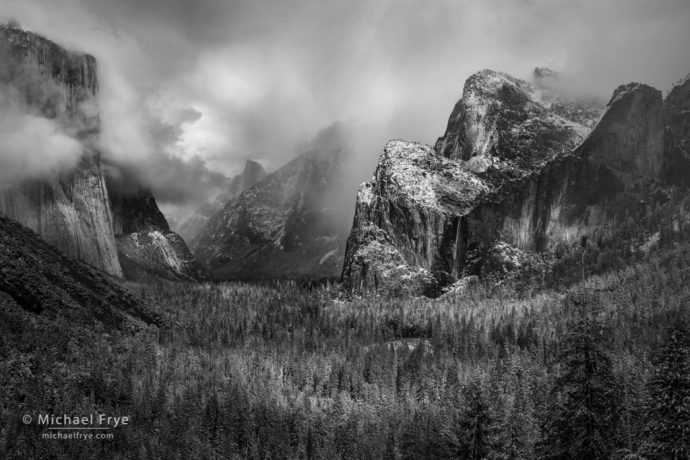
x=77, y=426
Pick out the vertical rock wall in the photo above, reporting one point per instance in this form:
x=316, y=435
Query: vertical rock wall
x=71, y=210
x=539, y=179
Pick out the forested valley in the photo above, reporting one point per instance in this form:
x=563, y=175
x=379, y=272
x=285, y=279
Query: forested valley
x=600, y=369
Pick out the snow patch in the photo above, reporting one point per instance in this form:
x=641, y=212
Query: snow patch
x=327, y=256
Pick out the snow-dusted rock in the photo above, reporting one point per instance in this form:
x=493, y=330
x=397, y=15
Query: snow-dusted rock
x=146, y=246
x=514, y=174
x=159, y=253
x=408, y=218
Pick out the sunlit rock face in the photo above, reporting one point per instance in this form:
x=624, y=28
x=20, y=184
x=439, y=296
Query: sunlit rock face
x=291, y=224
x=69, y=209
x=515, y=173
x=146, y=246
x=192, y=227
x=407, y=230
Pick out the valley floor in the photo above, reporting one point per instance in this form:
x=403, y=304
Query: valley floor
x=279, y=371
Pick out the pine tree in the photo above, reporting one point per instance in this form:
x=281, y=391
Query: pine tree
x=582, y=422
x=515, y=433
x=468, y=435
x=669, y=405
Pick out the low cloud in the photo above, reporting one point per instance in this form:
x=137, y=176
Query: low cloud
x=33, y=147
x=194, y=88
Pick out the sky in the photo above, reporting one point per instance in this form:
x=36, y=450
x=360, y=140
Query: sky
x=191, y=89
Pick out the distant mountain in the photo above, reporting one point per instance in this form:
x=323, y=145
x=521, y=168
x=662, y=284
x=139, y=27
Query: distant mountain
x=115, y=228
x=514, y=176
x=291, y=224
x=191, y=228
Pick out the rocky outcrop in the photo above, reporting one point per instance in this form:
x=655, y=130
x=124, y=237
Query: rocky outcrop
x=39, y=280
x=289, y=225
x=70, y=210
x=191, y=228
x=407, y=224
x=146, y=246
x=519, y=178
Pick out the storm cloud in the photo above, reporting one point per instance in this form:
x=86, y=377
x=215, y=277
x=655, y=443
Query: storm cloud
x=192, y=89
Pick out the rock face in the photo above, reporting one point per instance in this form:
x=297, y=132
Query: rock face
x=146, y=246
x=510, y=177
x=407, y=220
x=80, y=210
x=287, y=225
x=501, y=123
x=677, y=139
x=629, y=140
x=37, y=278
x=191, y=228
x=70, y=210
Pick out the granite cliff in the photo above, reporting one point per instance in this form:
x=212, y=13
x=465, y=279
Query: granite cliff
x=83, y=212
x=514, y=175
x=70, y=209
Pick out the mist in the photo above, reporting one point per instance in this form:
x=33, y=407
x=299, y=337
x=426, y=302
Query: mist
x=33, y=148
x=190, y=90
x=31, y=145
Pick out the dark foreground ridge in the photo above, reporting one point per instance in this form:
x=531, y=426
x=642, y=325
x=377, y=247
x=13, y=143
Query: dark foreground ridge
x=36, y=277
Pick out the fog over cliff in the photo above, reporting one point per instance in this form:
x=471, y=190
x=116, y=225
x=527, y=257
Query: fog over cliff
x=189, y=90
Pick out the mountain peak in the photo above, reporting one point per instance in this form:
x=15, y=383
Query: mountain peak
x=545, y=77
x=501, y=117
x=630, y=89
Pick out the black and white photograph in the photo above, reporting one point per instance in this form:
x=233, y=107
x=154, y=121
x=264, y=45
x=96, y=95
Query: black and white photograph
x=345, y=229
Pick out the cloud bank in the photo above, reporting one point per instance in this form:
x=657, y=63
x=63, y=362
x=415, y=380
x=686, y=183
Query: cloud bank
x=192, y=89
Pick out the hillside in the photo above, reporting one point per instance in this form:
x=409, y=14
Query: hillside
x=39, y=281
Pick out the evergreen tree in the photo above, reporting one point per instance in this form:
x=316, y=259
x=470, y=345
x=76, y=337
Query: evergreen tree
x=669, y=405
x=583, y=420
x=515, y=433
x=468, y=435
